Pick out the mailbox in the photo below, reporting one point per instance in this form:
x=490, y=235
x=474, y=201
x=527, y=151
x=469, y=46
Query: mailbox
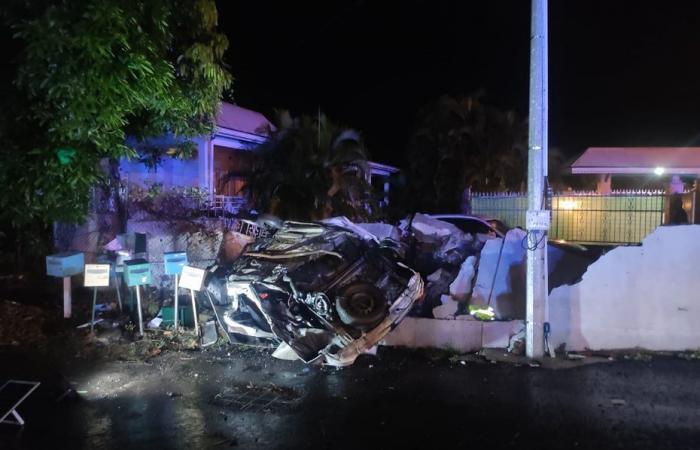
x=174, y=261
x=65, y=264
x=137, y=272
x=96, y=275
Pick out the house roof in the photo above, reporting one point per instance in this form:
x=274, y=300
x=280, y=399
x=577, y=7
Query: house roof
x=237, y=118
x=638, y=160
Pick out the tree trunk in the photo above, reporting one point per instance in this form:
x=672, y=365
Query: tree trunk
x=119, y=203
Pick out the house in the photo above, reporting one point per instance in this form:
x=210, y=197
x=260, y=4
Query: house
x=659, y=163
x=223, y=159
x=666, y=168
x=237, y=132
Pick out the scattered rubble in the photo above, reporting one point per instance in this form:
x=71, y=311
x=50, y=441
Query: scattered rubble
x=448, y=308
x=382, y=230
x=461, y=287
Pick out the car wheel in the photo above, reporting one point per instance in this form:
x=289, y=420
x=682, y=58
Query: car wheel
x=361, y=305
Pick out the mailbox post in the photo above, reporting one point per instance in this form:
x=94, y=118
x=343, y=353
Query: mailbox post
x=192, y=278
x=137, y=272
x=174, y=262
x=96, y=275
x=65, y=265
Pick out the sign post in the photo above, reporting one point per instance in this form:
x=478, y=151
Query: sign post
x=122, y=256
x=96, y=275
x=116, y=286
x=192, y=278
x=174, y=262
x=65, y=265
x=137, y=272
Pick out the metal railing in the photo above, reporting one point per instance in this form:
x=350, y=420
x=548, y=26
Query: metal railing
x=225, y=205
x=622, y=217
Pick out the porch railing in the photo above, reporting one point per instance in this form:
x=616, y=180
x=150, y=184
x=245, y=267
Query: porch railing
x=225, y=205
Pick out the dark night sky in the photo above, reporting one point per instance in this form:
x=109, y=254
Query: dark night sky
x=621, y=72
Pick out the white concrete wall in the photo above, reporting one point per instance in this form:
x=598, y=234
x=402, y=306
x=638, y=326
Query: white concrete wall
x=462, y=335
x=505, y=292
x=645, y=296
x=171, y=173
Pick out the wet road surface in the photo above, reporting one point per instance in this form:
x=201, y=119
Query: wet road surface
x=234, y=397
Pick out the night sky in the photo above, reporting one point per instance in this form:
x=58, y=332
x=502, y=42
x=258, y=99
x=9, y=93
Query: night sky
x=622, y=73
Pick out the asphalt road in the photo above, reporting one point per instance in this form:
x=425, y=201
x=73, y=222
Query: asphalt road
x=234, y=397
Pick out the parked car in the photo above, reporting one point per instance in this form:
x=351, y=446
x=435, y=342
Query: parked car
x=475, y=224
x=496, y=227
x=326, y=292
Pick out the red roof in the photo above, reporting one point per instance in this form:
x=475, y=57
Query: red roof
x=236, y=118
x=638, y=160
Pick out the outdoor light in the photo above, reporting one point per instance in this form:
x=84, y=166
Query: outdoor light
x=659, y=171
x=567, y=204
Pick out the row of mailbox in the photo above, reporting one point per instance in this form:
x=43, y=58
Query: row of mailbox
x=137, y=272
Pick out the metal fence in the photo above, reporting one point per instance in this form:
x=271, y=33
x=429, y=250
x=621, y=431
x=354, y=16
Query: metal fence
x=622, y=217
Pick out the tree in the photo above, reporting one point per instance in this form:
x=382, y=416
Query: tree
x=89, y=74
x=311, y=169
x=463, y=143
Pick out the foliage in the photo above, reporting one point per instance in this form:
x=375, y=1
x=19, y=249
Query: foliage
x=91, y=73
x=311, y=169
x=153, y=202
x=461, y=143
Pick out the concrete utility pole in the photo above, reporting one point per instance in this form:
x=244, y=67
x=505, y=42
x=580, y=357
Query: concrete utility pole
x=538, y=217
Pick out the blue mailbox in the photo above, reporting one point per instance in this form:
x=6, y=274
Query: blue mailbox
x=65, y=264
x=174, y=261
x=137, y=272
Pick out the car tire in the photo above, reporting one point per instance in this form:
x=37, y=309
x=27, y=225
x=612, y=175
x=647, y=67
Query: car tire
x=361, y=305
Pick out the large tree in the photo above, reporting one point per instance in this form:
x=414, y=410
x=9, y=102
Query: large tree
x=90, y=73
x=463, y=143
x=310, y=169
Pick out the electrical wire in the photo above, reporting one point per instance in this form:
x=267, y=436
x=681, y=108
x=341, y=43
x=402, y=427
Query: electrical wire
x=525, y=243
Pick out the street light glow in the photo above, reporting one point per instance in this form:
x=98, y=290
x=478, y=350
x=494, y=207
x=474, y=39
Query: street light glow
x=659, y=171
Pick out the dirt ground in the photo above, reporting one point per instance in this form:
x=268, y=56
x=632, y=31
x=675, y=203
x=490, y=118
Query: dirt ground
x=107, y=392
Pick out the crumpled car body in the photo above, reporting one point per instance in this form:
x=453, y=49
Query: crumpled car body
x=323, y=290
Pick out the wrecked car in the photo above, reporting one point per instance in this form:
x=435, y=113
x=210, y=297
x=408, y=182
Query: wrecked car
x=326, y=292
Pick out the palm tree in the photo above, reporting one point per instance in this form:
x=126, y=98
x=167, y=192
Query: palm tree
x=311, y=169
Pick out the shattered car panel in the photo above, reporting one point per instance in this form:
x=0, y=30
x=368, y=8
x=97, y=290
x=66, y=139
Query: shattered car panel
x=327, y=292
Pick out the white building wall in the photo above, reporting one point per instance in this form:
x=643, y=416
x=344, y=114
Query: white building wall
x=172, y=172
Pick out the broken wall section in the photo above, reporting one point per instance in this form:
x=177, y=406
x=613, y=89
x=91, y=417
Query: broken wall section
x=645, y=296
